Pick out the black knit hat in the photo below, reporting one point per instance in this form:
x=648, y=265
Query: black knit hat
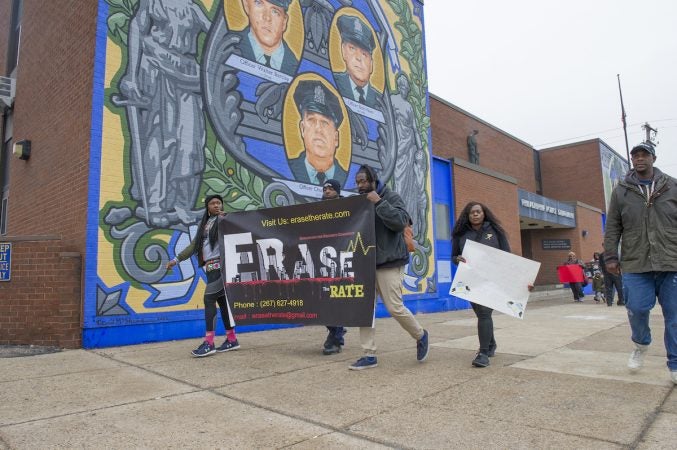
x=212, y=197
x=334, y=184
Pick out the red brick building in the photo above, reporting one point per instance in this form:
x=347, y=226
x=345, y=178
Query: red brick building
x=575, y=174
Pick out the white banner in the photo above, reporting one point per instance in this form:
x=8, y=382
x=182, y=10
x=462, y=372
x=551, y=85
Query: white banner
x=494, y=278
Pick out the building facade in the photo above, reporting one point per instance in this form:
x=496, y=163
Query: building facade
x=135, y=111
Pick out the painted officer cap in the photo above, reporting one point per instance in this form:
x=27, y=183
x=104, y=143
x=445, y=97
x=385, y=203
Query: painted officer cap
x=643, y=146
x=354, y=30
x=281, y=3
x=314, y=96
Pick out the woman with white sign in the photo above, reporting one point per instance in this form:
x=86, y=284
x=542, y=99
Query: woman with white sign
x=477, y=223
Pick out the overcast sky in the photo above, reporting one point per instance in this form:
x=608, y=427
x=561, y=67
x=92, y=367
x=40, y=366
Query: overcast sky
x=545, y=71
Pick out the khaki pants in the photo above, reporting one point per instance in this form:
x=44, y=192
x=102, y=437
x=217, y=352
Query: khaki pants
x=389, y=286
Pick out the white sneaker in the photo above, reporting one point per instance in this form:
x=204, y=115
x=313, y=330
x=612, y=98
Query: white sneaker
x=673, y=375
x=636, y=360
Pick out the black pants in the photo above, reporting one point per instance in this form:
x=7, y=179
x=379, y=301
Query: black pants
x=214, y=293
x=485, y=327
x=612, y=281
x=210, y=311
x=577, y=289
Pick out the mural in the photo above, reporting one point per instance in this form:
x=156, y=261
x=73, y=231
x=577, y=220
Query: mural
x=259, y=101
x=614, y=169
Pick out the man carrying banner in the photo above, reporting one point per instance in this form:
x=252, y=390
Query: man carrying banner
x=391, y=257
x=332, y=345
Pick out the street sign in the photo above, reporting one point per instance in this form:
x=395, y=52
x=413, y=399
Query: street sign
x=5, y=261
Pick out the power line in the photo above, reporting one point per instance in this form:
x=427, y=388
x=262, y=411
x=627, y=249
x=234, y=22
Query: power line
x=597, y=133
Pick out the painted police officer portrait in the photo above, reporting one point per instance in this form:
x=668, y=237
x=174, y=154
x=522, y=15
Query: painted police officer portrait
x=263, y=39
x=321, y=116
x=357, y=53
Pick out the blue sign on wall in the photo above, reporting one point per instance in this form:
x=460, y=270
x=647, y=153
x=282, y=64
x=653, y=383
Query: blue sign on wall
x=542, y=208
x=5, y=261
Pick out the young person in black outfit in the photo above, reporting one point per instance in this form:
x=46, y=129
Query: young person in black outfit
x=477, y=223
x=206, y=247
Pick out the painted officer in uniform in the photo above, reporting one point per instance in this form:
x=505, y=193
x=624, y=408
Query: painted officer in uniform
x=321, y=117
x=262, y=41
x=357, y=46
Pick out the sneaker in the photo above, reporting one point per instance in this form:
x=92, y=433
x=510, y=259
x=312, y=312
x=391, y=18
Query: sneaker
x=205, y=349
x=422, y=347
x=673, y=375
x=636, y=360
x=331, y=349
x=492, y=350
x=228, y=346
x=366, y=362
x=481, y=360
x=620, y=303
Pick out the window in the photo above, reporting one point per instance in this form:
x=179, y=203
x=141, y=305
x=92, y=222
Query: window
x=5, y=158
x=442, y=226
x=14, y=36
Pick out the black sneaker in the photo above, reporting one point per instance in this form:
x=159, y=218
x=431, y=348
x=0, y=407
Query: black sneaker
x=422, y=347
x=492, y=350
x=331, y=349
x=205, y=349
x=228, y=346
x=481, y=360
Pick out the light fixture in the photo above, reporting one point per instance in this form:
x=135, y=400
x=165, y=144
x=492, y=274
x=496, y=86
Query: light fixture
x=584, y=233
x=22, y=149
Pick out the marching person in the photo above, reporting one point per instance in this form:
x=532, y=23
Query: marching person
x=477, y=223
x=642, y=217
x=391, y=257
x=332, y=345
x=576, y=287
x=206, y=247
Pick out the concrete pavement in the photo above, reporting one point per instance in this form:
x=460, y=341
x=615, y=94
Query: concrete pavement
x=558, y=380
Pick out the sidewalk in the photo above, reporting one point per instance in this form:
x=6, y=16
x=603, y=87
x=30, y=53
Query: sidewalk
x=558, y=380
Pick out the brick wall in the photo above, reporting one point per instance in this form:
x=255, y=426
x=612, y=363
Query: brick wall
x=499, y=195
x=53, y=109
x=41, y=304
x=588, y=219
x=574, y=172
x=499, y=151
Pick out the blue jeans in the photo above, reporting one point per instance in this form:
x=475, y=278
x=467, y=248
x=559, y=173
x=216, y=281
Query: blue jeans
x=641, y=290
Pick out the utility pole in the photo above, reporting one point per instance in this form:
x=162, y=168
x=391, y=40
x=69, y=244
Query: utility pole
x=625, y=126
x=650, y=138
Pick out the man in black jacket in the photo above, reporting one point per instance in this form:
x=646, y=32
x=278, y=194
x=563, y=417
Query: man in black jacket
x=332, y=345
x=391, y=257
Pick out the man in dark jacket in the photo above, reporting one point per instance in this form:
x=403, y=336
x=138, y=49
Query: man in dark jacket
x=643, y=212
x=391, y=257
x=332, y=345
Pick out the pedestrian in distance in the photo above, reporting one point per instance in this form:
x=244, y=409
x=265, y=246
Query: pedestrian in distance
x=392, y=255
x=642, y=217
x=206, y=247
x=612, y=283
x=576, y=287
